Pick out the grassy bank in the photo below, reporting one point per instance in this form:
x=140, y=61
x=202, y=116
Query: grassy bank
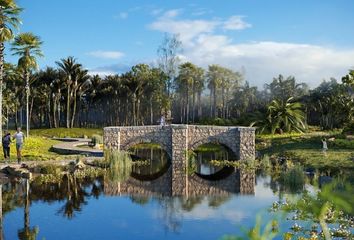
x=307, y=149
x=35, y=149
x=67, y=132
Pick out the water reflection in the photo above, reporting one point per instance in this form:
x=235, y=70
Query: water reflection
x=156, y=162
x=206, y=153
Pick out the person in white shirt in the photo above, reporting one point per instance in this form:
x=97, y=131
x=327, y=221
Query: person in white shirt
x=324, y=145
x=162, y=120
x=20, y=139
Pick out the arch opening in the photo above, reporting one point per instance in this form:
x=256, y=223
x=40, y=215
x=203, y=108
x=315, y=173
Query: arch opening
x=204, y=158
x=154, y=161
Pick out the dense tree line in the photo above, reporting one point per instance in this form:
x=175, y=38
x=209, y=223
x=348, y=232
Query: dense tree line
x=68, y=96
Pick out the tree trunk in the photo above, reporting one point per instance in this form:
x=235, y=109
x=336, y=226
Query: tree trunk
x=211, y=102
x=214, y=102
x=199, y=105
x=49, y=112
x=2, y=47
x=68, y=108
x=187, y=106
x=74, y=109
x=27, y=101
x=223, y=112
x=151, y=113
x=31, y=108
x=193, y=102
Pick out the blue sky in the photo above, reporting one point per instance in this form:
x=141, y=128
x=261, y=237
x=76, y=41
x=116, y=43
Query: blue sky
x=312, y=40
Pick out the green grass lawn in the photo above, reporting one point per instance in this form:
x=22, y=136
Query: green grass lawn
x=67, y=132
x=37, y=147
x=307, y=149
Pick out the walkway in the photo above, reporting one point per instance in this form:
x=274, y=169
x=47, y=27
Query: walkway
x=70, y=146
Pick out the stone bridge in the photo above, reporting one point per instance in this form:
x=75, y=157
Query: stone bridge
x=176, y=140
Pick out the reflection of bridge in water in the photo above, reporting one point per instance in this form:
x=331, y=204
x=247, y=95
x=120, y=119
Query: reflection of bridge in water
x=238, y=181
x=177, y=140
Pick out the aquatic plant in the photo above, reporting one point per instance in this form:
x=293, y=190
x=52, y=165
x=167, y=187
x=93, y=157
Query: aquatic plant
x=293, y=179
x=119, y=165
x=97, y=139
x=192, y=164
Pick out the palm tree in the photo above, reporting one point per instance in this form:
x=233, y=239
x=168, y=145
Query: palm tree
x=69, y=67
x=8, y=20
x=286, y=116
x=27, y=46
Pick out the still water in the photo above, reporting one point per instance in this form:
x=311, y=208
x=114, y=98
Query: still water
x=142, y=207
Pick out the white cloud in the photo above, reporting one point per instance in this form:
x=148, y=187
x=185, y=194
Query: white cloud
x=265, y=60
x=189, y=29
x=101, y=73
x=236, y=23
x=262, y=60
x=123, y=15
x=171, y=13
x=106, y=54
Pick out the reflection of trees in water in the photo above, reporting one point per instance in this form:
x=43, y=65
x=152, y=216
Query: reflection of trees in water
x=172, y=208
x=74, y=191
x=203, y=157
x=27, y=233
x=140, y=199
x=217, y=201
x=157, y=160
x=170, y=213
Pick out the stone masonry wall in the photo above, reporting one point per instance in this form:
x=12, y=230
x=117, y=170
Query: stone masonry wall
x=176, y=140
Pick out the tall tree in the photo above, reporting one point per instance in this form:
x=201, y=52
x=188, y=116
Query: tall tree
x=69, y=66
x=28, y=47
x=168, y=59
x=9, y=20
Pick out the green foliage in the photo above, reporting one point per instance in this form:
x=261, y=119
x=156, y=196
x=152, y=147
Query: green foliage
x=247, y=164
x=97, y=139
x=257, y=233
x=333, y=205
x=36, y=149
x=120, y=165
x=210, y=147
x=50, y=169
x=307, y=150
x=349, y=128
x=293, y=179
x=66, y=132
x=283, y=116
x=192, y=165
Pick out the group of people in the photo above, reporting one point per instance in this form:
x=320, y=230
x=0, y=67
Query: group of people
x=19, y=136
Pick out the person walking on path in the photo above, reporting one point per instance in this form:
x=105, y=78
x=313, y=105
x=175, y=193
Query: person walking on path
x=6, y=140
x=20, y=139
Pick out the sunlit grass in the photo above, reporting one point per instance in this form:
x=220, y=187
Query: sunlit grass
x=35, y=149
x=67, y=132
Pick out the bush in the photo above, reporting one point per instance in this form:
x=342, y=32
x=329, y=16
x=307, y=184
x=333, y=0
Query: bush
x=50, y=169
x=120, y=165
x=97, y=139
x=349, y=129
x=293, y=180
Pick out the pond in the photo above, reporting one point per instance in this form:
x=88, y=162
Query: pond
x=144, y=206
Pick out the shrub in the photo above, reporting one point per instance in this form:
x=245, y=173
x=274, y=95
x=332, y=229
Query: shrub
x=293, y=180
x=50, y=169
x=97, y=139
x=120, y=165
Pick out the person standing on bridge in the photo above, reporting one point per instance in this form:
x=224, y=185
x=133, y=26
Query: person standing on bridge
x=162, y=120
x=20, y=139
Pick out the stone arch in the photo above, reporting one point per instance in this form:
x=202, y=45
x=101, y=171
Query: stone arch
x=136, y=141
x=213, y=140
